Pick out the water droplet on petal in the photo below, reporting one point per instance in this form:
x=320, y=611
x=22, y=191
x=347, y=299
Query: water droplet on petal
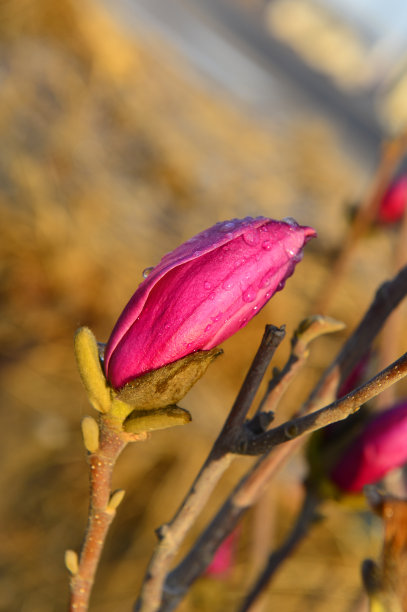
x=280, y=285
x=264, y=228
x=290, y=221
x=207, y=285
x=212, y=296
x=255, y=307
x=266, y=280
x=251, y=238
x=147, y=271
x=207, y=328
x=227, y=285
x=290, y=252
x=249, y=295
x=227, y=226
x=266, y=245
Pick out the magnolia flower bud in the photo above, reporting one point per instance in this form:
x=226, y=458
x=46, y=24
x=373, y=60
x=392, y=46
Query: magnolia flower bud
x=394, y=202
x=379, y=448
x=203, y=292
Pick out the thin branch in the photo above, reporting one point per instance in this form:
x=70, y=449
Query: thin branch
x=392, y=154
x=252, y=485
x=249, y=489
x=387, y=298
x=173, y=533
x=101, y=514
x=336, y=411
x=301, y=528
x=272, y=337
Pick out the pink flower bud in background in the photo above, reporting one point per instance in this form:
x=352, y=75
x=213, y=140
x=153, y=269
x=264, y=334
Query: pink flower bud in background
x=203, y=292
x=355, y=378
x=379, y=448
x=224, y=557
x=394, y=202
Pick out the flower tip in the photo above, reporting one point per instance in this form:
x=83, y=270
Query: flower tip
x=309, y=233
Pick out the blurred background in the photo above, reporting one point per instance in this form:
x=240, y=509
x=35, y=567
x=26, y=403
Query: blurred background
x=126, y=127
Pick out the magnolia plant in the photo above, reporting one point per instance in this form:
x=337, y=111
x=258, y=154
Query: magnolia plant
x=170, y=331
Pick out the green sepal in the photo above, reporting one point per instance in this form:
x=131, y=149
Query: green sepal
x=161, y=418
x=90, y=369
x=169, y=384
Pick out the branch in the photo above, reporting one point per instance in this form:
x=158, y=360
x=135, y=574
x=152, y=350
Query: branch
x=252, y=485
x=173, y=533
x=250, y=488
x=336, y=411
x=102, y=510
x=387, y=298
x=302, y=525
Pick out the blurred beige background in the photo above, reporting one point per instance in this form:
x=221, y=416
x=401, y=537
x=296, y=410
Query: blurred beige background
x=112, y=152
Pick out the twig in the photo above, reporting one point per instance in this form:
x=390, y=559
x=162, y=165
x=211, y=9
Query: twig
x=249, y=489
x=299, y=531
x=273, y=336
x=392, y=153
x=102, y=510
x=252, y=485
x=173, y=533
x=336, y=411
x=392, y=332
x=385, y=581
x=387, y=298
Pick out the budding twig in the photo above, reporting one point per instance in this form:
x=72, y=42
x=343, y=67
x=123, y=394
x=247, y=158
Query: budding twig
x=334, y=412
x=101, y=514
x=173, y=533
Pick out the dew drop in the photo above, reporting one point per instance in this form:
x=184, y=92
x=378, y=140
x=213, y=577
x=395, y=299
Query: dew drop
x=290, y=252
x=207, y=285
x=249, y=295
x=255, y=307
x=227, y=285
x=147, y=271
x=264, y=228
x=266, y=245
x=265, y=281
x=217, y=317
x=290, y=221
x=251, y=238
x=227, y=226
x=212, y=296
x=208, y=327
x=280, y=285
